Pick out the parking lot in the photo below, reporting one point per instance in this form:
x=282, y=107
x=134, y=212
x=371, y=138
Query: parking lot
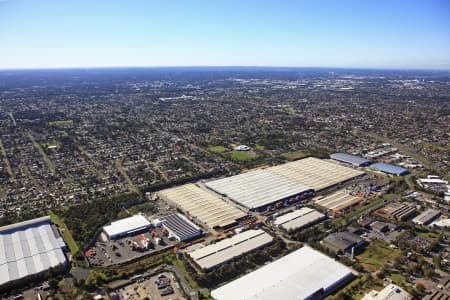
x=110, y=252
x=162, y=286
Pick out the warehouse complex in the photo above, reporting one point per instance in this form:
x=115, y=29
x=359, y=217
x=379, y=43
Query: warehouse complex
x=260, y=188
x=126, y=226
x=298, y=219
x=203, y=206
x=29, y=248
x=350, y=159
x=302, y=274
x=216, y=254
x=343, y=242
x=337, y=202
x=181, y=228
x=257, y=188
x=315, y=173
x=390, y=169
x=396, y=211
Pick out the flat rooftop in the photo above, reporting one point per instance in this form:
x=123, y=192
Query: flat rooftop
x=316, y=173
x=389, y=169
x=297, y=275
x=126, y=225
x=204, y=206
x=227, y=249
x=350, y=159
x=390, y=292
x=299, y=218
x=337, y=201
x=29, y=248
x=257, y=188
x=180, y=226
x=427, y=216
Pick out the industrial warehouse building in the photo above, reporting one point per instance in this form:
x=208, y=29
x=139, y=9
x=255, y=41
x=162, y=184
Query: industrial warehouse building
x=338, y=202
x=344, y=242
x=298, y=219
x=390, y=169
x=29, y=248
x=427, y=216
x=302, y=274
x=390, y=292
x=257, y=188
x=203, y=206
x=180, y=227
x=315, y=173
x=350, y=159
x=216, y=254
x=126, y=226
x=396, y=211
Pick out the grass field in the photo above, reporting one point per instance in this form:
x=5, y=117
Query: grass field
x=73, y=247
x=295, y=155
x=431, y=235
x=61, y=123
x=290, y=110
x=217, y=149
x=259, y=147
x=377, y=255
x=243, y=156
x=398, y=279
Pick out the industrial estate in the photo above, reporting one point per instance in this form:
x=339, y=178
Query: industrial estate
x=217, y=214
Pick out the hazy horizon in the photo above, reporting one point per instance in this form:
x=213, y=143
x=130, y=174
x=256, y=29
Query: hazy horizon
x=394, y=35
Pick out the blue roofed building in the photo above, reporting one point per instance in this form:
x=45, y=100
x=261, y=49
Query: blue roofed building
x=350, y=159
x=390, y=169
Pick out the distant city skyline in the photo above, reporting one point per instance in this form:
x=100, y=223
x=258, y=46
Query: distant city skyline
x=382, y=34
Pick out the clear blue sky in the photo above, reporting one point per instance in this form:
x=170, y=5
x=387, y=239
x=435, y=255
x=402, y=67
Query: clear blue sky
x=360, y=33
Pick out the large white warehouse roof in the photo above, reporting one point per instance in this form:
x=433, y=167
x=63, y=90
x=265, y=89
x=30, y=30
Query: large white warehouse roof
x=227, y=249
x=297, y=275
x=257, y=188
x=126, y=226
x=29, y=248
x=316, y=173
x=298, y=218
x=203, y=205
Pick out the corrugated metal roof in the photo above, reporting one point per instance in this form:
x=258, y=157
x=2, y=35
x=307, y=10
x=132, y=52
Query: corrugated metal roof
x=351, y=159
x=337, y=201
x=205, y=206
x=225, y=250
x=316, y=173
x=27, y=248
x=297, y=275
x=257, y=188
x=298, y=218
x=390, y=169
x=181, y=227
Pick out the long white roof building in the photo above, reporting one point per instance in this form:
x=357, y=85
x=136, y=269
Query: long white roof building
x=298, y=218
x=257, y=188
x=298, y=275
x=29, y=248
x=316, y=173
x=227, y=249
x=126, y=226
